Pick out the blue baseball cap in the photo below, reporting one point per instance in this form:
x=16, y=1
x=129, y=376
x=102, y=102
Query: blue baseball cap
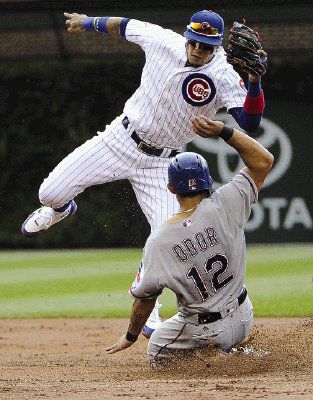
x=205, y=27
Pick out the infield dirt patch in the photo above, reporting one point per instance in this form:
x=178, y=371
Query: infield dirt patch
x=66, y=359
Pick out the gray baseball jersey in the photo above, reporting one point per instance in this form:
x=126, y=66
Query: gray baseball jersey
x=201, y=259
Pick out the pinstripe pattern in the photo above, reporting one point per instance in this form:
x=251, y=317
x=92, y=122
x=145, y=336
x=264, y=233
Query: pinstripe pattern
x=158, y=108
x=159, y=113
x=106, y=158
x=150, y=188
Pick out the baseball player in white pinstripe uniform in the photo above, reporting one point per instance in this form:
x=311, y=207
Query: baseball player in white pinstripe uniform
x=200, y=254
x=180, y=80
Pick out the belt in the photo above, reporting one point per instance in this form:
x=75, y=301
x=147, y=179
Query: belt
x=215, y=316
x=145, y=147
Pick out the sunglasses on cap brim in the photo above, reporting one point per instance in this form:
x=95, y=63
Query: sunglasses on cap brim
x=204, y=28
x=204, y=46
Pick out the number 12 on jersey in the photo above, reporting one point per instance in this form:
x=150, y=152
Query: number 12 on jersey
x=194, y=274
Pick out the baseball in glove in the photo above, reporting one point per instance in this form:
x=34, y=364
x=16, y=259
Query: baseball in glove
x=245, y=50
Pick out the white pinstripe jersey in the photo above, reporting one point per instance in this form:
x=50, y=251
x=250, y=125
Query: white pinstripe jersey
x=170, y=94
x=202, y=259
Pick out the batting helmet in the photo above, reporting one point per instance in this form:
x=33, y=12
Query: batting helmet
x=189, y=173
x=205, y=27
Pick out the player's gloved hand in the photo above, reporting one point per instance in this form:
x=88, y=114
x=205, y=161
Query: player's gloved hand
x=74, y=22
x=121, y=344
x=206, y=127
x=245, y=50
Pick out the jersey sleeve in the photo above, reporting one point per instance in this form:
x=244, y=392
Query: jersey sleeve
x=147, y=283
x=232, y=92
x=146, y=34
x=237, y=196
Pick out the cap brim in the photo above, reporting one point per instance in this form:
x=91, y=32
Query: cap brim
x=215, y=41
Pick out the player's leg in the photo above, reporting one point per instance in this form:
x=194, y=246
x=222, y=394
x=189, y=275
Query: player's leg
x=172, y=341
x=157, y=203
x=97, y=161
x=229, y=331
x=150, y=186
x=233, y=329
x=180, y=336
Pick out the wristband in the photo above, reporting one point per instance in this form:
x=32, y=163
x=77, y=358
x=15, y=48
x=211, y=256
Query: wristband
x=88, y=23
x=100, y=24
x=130, y=337
x=226, y=133
x=95, y=24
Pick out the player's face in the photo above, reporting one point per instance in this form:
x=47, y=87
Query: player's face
x=198, y=53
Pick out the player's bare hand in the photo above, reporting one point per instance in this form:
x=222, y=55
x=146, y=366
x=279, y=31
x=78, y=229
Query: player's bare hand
x=206, y=127
x=74, y=22
x=121, y=344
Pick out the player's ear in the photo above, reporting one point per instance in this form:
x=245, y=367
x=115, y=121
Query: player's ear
x=171, y=188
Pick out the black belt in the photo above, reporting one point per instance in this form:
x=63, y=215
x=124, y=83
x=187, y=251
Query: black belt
x=146, y=147
x=215, y=316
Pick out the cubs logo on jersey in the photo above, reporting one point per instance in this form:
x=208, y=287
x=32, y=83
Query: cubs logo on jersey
x=198, y=89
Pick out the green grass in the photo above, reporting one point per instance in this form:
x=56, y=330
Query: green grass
x=280, y=280
x=94, y=283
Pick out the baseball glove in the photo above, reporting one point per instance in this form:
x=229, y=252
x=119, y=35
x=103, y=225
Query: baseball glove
x=245, y=50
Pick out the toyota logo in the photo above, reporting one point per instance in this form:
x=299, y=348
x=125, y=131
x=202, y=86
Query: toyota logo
x=271, y=134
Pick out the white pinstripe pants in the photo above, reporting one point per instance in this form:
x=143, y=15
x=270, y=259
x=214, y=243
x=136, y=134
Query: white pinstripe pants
x=109, y=157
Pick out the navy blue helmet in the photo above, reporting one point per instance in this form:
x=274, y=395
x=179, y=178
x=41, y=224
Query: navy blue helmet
x=189, y=173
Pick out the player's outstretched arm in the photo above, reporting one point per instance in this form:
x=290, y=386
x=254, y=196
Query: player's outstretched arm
x=81, y=22
x=249, y=116
x=245, y=51
x=141, y=310
x=257, y=158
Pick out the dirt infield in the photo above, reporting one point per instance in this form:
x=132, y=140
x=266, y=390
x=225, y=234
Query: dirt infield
x=65, y=359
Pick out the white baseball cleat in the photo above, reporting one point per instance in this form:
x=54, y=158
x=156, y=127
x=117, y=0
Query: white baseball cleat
x=153, y=322
x=41, y=220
